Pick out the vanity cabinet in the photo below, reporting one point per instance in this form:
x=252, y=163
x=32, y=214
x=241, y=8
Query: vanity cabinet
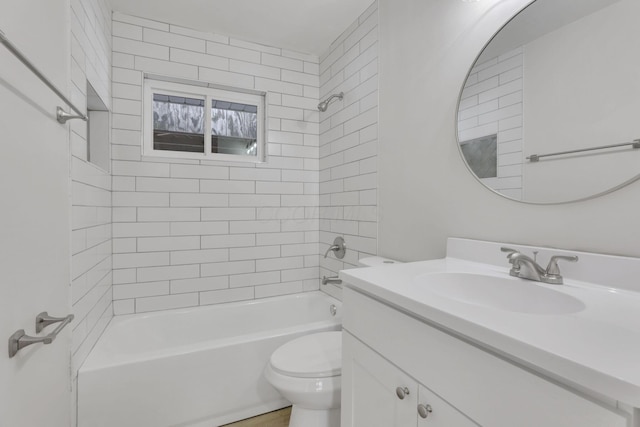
x=464, y=383
x=381, y=395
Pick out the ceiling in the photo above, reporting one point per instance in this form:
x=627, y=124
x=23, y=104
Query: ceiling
x=306, y=26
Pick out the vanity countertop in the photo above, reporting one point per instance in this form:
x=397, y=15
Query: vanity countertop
x=597, y=348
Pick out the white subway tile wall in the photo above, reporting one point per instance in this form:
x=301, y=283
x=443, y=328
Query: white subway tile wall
x=349, y=145
x=189, y=232
x=491, y=103
x=91, y=281
x=91, y=186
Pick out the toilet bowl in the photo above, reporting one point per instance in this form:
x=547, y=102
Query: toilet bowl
x=307, y=372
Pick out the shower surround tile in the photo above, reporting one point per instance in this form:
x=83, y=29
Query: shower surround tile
x=348, y=146
x=205, y=232
x=91, y=210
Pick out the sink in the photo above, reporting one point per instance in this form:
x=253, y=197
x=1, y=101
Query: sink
x=503, y=293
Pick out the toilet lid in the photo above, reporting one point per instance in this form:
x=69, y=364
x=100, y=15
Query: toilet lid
x=314, y=355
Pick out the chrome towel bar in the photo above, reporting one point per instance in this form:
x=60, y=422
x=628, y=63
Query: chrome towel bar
x=20, y=340
x=61, y=115
x=536, y=157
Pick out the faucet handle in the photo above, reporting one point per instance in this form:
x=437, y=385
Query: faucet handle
x=339, y=248
x=333, y=248
x=511, y=251
x=553, y=269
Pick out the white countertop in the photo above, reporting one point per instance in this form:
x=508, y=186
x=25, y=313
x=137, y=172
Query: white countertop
x=597, y=348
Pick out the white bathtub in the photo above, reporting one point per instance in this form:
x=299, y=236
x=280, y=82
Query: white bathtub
x=197, y=367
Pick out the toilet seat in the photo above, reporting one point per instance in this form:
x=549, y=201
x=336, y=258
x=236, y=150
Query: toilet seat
x=311, y=356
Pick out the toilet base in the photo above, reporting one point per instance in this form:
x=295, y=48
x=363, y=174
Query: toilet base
x=301, y=417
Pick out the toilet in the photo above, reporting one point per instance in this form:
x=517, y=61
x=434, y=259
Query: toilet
x=307, y=371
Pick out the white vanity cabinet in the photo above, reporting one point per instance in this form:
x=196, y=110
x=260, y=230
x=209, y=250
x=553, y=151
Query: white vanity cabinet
x=381, y=395
x=435, y=412
x=464, y=384
x=372, y=389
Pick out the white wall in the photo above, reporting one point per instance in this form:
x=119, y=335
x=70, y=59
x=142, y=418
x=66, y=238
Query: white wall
x=189, y=232
x=35, y=210
x=79, y=51
x=426, y=194
x=349, y=145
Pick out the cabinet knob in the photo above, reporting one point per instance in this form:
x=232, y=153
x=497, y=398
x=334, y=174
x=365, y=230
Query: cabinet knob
x=402, y=392
x=424, y=410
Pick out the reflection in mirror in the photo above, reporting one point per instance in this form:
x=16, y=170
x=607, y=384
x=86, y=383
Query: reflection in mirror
x=481, y=155
x=560, y=76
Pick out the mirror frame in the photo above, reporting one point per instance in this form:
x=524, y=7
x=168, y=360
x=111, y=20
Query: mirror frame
x=466, y=164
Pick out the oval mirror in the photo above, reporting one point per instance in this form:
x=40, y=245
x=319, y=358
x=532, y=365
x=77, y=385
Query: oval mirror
x=550, y=111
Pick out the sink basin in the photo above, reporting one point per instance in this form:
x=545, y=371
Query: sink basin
x=503, y=293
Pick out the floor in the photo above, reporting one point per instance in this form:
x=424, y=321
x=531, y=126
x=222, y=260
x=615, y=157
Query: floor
x=272, y=419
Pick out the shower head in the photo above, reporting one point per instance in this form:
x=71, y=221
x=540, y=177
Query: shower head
x=322, y=107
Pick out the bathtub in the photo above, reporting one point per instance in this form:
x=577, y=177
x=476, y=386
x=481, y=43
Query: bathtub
x=196, y=367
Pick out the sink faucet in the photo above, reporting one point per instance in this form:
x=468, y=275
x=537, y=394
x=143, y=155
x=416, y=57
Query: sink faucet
x=525, y=267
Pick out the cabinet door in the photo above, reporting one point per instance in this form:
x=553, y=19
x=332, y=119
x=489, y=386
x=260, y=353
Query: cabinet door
x=369, y=395
x=435, y=412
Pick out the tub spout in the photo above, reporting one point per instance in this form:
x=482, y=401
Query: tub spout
x=334, y=280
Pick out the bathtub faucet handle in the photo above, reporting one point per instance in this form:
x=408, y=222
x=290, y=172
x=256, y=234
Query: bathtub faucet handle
x=339, y=248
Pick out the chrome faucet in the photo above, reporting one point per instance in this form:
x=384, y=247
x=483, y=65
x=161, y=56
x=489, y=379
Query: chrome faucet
x=525, y=267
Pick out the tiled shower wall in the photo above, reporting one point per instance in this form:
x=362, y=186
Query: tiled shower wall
x=190, y=232
x=90, y=186
x=491, y=103
x=349, y=145
x=91, y=275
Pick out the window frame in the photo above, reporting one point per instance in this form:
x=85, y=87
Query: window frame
x=200, y=90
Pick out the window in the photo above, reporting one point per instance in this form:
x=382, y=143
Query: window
x=197, y=122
